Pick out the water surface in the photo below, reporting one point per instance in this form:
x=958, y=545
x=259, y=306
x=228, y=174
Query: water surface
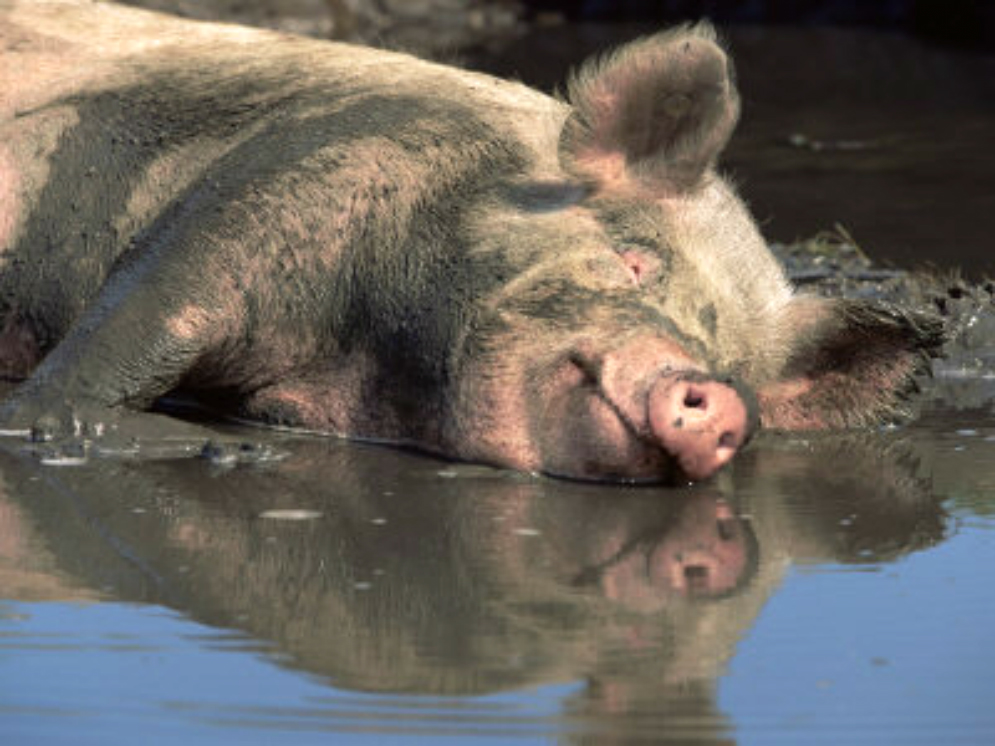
x=829, y=589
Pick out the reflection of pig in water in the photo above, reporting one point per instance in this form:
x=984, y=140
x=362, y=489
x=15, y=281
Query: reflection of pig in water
x=358, y=242
x=478, y=582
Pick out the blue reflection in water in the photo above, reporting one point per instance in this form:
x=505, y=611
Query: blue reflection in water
x=111, y=673
x=892, y=668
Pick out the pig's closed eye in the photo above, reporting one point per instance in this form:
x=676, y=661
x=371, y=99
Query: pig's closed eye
x=644, y=268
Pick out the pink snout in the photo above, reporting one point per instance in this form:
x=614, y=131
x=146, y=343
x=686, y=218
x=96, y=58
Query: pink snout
x=701, y=423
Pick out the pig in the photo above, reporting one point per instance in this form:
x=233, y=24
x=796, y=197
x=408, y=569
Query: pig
x=352, y=241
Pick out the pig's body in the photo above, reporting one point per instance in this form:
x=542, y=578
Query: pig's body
x=359, y=242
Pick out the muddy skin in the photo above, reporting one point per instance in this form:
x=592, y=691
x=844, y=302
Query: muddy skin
x=356, y=242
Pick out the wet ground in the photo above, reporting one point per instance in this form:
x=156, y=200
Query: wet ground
x=828, y=589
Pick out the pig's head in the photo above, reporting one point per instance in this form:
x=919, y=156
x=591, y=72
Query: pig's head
x=641, y=328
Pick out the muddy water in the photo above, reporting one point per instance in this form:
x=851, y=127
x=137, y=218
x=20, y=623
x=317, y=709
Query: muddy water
x=832, y=589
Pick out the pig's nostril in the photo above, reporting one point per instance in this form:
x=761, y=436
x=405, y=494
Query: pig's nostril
x=700, y=424
x=694, y=399
x=726, y=528
x=696, y=577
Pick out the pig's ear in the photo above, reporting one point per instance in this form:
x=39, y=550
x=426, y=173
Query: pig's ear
x=852, y=364
x=655, y=113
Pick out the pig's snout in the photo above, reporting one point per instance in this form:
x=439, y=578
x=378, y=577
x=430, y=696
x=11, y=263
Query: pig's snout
x=701, y=423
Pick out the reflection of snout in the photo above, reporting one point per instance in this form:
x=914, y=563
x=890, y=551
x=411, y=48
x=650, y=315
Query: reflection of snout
x=704, y=552
x=696, y=573
x=701, y=423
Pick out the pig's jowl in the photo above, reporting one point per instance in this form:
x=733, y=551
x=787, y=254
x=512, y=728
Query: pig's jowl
x=358, y=242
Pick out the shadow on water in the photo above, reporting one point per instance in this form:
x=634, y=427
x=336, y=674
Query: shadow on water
x=385, y=572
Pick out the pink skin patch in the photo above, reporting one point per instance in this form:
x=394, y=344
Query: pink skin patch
x=703, y=554
x=608, y=169
x=780, y=407
x=632, y=413
x=701, y=423
x=643, y=267
x=834, y=399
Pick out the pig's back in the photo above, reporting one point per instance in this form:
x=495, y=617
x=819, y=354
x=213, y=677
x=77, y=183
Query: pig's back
x=52, y=49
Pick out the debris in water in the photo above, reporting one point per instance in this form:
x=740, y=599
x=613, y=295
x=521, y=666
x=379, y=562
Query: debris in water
x=63, y=460
x=291, y=514
x=803, y=142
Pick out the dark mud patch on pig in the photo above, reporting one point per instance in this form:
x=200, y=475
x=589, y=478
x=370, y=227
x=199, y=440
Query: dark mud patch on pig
x=114, y=162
